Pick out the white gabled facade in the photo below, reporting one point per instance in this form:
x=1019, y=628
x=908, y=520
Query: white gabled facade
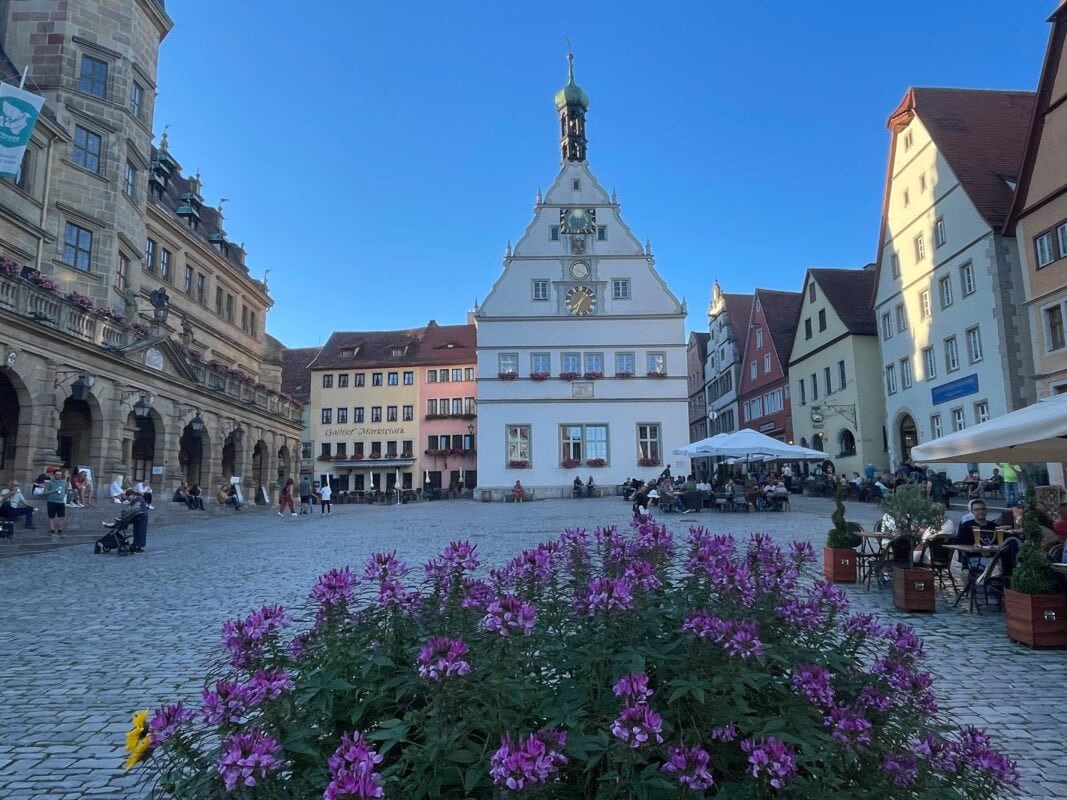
x=579, y=297
x=948, y=288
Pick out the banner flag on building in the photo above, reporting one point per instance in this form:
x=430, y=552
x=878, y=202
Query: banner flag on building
x=18, y=115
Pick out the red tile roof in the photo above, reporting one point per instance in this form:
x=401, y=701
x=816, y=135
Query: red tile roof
x=433, y=344
x=781, y=310
x=739, y=310
x=449, y=344
x=849, y=291
x=296, y=377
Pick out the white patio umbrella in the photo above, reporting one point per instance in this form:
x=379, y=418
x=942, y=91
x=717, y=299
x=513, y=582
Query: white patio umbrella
x=1035, y=433
x=701, y=448
x=747, y=443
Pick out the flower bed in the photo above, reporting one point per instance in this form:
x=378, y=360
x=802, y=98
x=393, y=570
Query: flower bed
x=596, y=665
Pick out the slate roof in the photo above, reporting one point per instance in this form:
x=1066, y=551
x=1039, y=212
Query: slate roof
x=982, y=135
x=781, y=310
x=296, y=377
x=448, y=344
x=738, y=311
x=370, y=349
x=849, y=291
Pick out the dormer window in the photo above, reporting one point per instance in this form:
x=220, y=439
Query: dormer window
x=347, y=352
x=396, y=352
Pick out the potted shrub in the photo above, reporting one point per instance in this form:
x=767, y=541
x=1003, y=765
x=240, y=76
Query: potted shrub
x=912, y=511
x=1035, y=613
x=839, y=555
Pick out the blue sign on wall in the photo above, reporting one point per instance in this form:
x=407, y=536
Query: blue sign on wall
x=955, y=389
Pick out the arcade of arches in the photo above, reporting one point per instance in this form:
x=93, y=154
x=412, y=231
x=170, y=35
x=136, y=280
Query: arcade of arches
x=63, y=421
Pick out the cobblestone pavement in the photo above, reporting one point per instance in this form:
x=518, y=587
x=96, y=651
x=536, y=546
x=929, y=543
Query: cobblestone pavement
x=87, y=639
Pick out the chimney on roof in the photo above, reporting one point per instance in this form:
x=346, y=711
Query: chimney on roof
x=431, y=324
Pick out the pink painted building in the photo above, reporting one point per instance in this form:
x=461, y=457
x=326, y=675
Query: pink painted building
x=448, y=391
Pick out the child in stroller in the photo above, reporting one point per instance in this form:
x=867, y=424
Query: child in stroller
x=116, y=538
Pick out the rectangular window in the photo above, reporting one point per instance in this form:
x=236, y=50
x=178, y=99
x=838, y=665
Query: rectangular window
x=508, y=364
x=920, y=247
x=826, y=383
x=908, y=141
x=376, y=379
x=327, y=416
x=324, y=449
x=229, y=308
x=129, y=180
x=905, y=373
x=244, y=318
x=77, y=247
x=187, y=281
x=394, y=378
x=93, y=78
x=218, y=301
x=657, y=362
x=1042, y=244
x=648, y=442
x=1054, y=327
x=939, y=232
x=944, y=287
x=967, y=278
x=136, y=99
x=88, y=147
x=253, y=328
x=887, y=326
x=468, y=373
x=376, y=449
x=822, y=319
x=457, y=406
x=375, y=413
x=443, y=375
x=390, y=413
x=553, y=233
x=122, y=274
x=952, y=354
x=409, y=413
x=841, y=377
x=327, y=381
x=431, y=376
x=357, y=414
x=924, y=304
x=342, y=380
x=929, y=364
x=890, y=379
x=518, y=444
x=803, y=393
x=468, y=405
x=164, y=266
x=624, y=364
x=457, y=375
x=811, y=292
x=342, y=447
x=807, y=328
x=974, y=344
x=594, y=363
x=570, y=362
x=922, y=182
x=907, y=198
x=601, y=233
x=766, y=363
x=201, y=287
x=342, y=415
x=620, y=289
x=959, y=421
x=981, y=412
x=540, y=289
x=540, y=363
x=360, y=379
x=902, y=318
x=409, y=378
x=814, y=388
x=935, y=426
x=759, y=338
x=773, y=402
x=1061, y=236
x=753, y=370
x=894, y=262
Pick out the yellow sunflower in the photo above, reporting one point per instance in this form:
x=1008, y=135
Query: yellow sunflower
x=138, y=742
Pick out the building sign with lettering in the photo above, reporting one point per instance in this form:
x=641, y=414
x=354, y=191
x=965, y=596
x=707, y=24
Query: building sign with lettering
x=365, y=431
x=955, y=389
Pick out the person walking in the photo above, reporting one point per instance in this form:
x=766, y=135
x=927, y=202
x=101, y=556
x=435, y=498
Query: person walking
x=305, y=495
x=325, y=493
x=287, y=499
x=55, y=493
x=1010, y=473
x=140, y=523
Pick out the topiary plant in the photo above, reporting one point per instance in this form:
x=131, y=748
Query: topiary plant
x=911, y=509
x=1032, y=574
x=840, y=537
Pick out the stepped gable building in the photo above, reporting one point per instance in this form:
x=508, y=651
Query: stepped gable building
x=763, y=393
x=696, y=353
x=728, y=318
x=296, y=383
x=377, y=396
x=581, y=345
x=949, y=299
x=835, y=373
x=131, y=332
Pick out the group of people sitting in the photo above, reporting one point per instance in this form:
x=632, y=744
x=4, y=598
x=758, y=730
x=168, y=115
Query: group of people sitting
x=583, y=489
x=191, y=496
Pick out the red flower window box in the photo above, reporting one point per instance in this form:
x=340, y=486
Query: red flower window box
x=507, y=376
x=595, y=462
x=649, y=462
x=569, y=376
x=656, y=374
x=518, y=464
x=593, y=376
x=570, y=463
x=624, y=374
x=539, y=376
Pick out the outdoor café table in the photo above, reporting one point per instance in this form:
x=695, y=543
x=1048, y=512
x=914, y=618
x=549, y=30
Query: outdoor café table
x=970, y=589
x=871, y=549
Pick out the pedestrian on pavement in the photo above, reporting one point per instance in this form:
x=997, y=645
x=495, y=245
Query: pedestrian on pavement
x=1010, y=472
x=305, y=495
x=140, y=522
x=77, y=484
x=287, y=499
x=55, y=492
x=16, y=504
x=87, y=490
x=325, y=493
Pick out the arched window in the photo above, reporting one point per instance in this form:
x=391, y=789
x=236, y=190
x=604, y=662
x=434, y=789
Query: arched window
x=816, y=442
x=847, y=443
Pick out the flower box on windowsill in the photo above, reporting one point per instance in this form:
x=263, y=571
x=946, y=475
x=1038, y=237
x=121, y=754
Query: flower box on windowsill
x=593, y=376
x=538, y=376
x=595, y=462
x=507, y=376
x=436, y=453
x=569, y=376
x=519, y=464
x=624, y=374
x=569, y=463
x=376, y=456
x=656, y=374
x=357, y=457
x=648, y=462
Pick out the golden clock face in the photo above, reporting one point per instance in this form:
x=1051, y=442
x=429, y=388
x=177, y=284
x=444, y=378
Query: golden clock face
x=577, y=220
x=581, y=301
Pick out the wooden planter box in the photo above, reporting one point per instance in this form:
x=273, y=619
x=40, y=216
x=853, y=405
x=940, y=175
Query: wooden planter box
x=1036, y=620
x=913, y=589
x=839, y=564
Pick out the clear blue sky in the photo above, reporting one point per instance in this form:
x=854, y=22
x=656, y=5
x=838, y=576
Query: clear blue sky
x=378, y=156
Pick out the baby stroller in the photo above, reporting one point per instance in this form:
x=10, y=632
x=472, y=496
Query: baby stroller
x=116, y=538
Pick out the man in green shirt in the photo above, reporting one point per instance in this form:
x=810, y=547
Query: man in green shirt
x=1010, y=472
x=55, y=492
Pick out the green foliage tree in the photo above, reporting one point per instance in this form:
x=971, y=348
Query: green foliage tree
x=911, y=509
x=1032, y=574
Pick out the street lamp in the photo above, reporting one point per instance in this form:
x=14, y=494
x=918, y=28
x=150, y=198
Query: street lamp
x=238, y=434
x=141, y=407
x=197, y=422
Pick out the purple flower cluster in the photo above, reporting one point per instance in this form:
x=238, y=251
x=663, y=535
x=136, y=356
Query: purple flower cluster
x=229, y=701
x=813, y=682
x=246, y=638
x=689, y=766
x=476, y=594
x=974, y=750
x=247, y=757
x=166, y=721
x=532, y=566
x=440, y=659
x=605, y=595
x=723, y=733
x=864, y=626
x=642, y=575
x=637, y=724
x=849, y=727
x=633, y=689
x=653, y=542
x=508, y=614
x=770, y=759
x=536, y=759
x=352, y=775
x=385, y=567
x=268, y=685
x=740, y=639
x=902, y=769
x=335, y=589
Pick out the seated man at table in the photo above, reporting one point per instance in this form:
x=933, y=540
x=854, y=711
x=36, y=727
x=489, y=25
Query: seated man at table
x=980, y=524
x=1013, y=516
x=940, y=525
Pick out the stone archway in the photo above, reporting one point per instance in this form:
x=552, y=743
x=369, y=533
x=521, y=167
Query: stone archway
x=10, y=413
x=74, y=438
x=143, y=449
x=846, y=443
x=284, y=464
x=192, y=459
x=908, y=436
x=229, y=458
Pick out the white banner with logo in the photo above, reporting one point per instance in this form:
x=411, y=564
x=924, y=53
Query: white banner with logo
x=18, y=115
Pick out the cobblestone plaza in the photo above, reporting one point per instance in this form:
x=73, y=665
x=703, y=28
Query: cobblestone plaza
x=88, y=639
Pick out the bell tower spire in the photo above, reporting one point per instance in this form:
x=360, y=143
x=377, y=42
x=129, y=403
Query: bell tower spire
x=572, y=103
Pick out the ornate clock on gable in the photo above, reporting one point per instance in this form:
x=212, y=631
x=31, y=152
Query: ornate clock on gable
x=577, y=220
x=581, y=301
